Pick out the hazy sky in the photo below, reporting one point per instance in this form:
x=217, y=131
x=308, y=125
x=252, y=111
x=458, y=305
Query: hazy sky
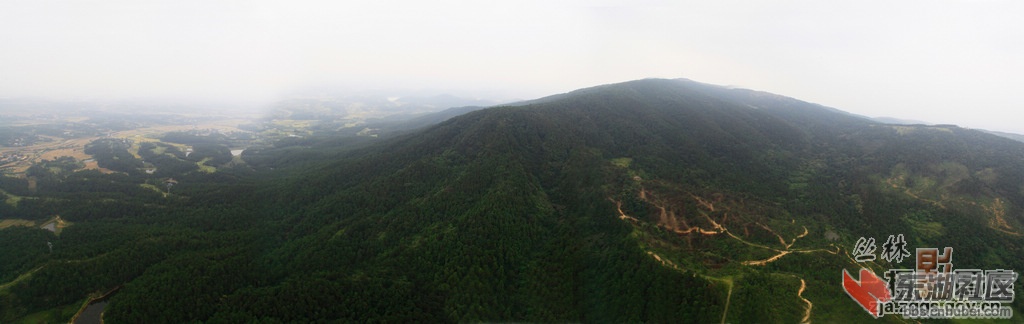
x=958, y=62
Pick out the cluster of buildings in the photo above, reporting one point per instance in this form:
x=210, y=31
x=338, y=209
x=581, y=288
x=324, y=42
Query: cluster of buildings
x=17, y=142
x=11, y=157
x=8, y=160
x=24, y=141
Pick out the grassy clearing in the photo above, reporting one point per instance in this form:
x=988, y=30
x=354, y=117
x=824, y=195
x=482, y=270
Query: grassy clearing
x=152, y=187
x=206, y=168
x=60, y=314
x=904, y=130
x=622, y=162
x=159, y=149
x=75, y=152
x=927, y=229
x=11, y=199
x=301, y=124
x=5, y=223
x=58, y=224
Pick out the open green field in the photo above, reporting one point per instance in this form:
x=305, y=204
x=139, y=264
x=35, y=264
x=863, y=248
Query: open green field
x=5, y=223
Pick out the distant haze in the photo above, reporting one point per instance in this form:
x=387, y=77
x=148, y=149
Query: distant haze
x=950, y=62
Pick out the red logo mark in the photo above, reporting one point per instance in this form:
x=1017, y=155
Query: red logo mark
x=869, y=292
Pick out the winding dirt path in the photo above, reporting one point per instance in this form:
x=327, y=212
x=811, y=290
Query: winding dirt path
x=622, y=214
x=998, y=221
x=800, y=293
x=766, y=261
x=668, y=220
x=750, y=243
x=906, y=190
x=727, y=280
x=728, y=298
x=797, y=237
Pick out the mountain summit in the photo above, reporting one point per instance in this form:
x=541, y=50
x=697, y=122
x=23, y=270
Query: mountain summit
x=645, y=201
x=581, y=206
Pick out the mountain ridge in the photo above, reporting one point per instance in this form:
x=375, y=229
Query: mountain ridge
x=645, y=201
x=719, y=143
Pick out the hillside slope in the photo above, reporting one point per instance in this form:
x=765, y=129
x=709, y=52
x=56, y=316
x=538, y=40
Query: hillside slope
x=704, y=181
x=645, y=201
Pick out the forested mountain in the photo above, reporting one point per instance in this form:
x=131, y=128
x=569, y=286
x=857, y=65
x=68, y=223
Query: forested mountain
x=1016, y=137
x=645, y=201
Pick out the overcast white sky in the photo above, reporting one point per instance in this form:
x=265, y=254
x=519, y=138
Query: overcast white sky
x=959, y=62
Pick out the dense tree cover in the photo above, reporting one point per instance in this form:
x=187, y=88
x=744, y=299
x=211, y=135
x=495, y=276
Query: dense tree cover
x=60, y=167
x=24, y=248
x=112, y=153
x=15, y=186
x=213, y=154
x=511, y=214
x=168, y=160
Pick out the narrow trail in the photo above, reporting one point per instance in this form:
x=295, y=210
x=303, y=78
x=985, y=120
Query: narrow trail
x=797, y=237
x=20, y=278
x=998, y=222
x=766, y=261
x=727, y=281
x=836, y=252
x=728, y=298
x=622, y=215
x=908, y=192
x=27, y=275
x=715, y=224
x=710, y=206
x=769, y=229
x=667, y=263
x=696, y=229
x=668, y=220
x=1007, y=232
x=750, y=243
x=800, y=293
